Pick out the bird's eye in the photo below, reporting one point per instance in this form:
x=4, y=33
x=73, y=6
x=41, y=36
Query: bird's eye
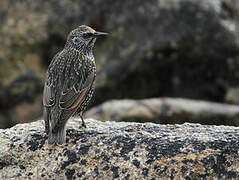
x=76, y=40
x=87, y=35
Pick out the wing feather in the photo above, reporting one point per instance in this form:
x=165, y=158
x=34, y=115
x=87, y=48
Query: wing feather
x=75, y=88
x=76, y=95
x=49, y=87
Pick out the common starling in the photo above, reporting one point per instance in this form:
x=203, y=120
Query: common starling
x=69, y=82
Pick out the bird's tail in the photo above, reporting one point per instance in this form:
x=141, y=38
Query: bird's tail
x=46, y=116
x=57, y=126
x=58, y=137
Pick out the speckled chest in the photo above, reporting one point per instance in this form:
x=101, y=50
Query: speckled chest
x=90, y=67
x=91, y=89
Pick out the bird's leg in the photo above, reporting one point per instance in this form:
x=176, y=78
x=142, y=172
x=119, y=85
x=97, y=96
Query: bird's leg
x=82, y=119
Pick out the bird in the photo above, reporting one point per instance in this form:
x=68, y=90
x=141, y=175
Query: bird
x=69, y=82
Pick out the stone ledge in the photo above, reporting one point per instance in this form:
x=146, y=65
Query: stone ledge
x=167, y=111
x=115, y=150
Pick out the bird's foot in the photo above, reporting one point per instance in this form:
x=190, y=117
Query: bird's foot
x=83, y=122
x=83, y=125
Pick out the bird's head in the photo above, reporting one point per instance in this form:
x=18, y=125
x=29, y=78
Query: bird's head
x=83, y=38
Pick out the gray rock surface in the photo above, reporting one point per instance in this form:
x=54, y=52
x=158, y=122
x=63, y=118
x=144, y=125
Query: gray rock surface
x=110, y=150
x=166, y=111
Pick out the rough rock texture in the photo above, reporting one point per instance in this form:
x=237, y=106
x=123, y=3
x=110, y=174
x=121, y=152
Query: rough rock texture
x=185, y=48
x=110, y=150
x=166, y=111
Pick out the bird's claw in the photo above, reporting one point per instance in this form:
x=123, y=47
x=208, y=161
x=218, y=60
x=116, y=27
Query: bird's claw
x=83, y=125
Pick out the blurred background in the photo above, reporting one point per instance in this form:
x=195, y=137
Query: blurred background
x=187, y=50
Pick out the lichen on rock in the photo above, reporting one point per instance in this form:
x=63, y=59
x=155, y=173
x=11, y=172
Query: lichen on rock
x=121, y=150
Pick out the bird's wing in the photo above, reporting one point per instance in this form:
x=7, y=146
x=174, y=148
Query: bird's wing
x=81, y=77
x=50, y=83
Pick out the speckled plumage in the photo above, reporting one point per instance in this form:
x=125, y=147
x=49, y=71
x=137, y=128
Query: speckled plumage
x=69, y=82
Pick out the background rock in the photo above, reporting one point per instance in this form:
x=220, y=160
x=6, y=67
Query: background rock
x=177, y=48
x=166, y=111
x=20, y=101
x=112, y=150
x=187, y=49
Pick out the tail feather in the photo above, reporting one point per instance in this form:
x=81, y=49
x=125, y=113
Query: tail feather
x=57, y=120
x=57, y=129
x=46, y=117
x=58, y=137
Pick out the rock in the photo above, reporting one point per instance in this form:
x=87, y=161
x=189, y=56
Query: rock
x=110, y=150
x=232, y=96
x=186, y=49
x=179, y=48
x=166, y=111
x=20, y=101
